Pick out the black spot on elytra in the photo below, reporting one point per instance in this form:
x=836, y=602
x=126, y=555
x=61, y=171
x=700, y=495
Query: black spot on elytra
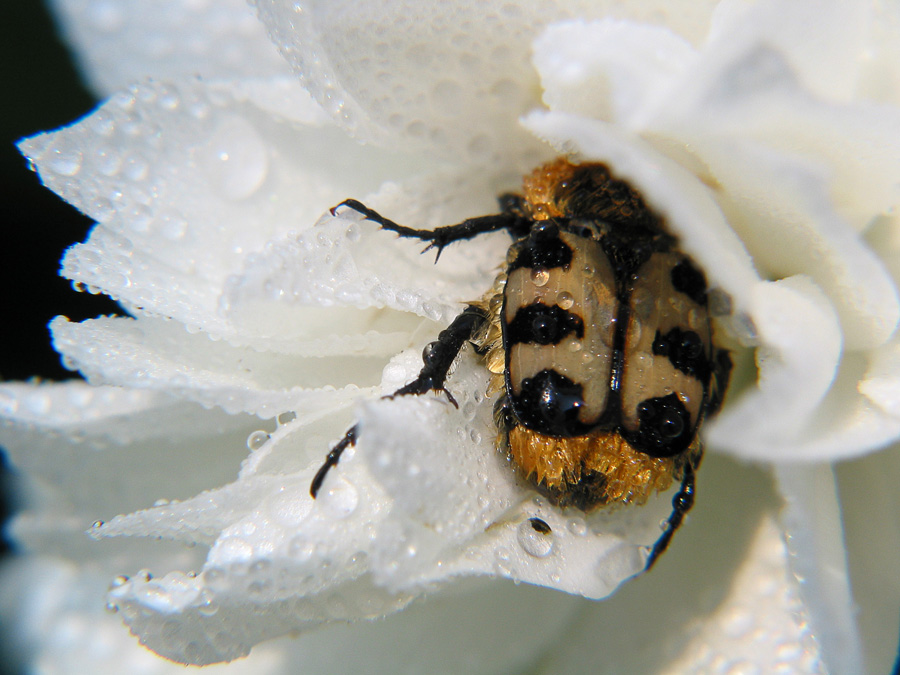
x=689, y=280
x=549, y=403
x=543, y=249
x=685, y=351
x=664, y=427
x=543, y=324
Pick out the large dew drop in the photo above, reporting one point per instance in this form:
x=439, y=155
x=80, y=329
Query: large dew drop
x=234, y=159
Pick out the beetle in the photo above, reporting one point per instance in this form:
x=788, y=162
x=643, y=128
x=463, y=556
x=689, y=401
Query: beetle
x=598, y=337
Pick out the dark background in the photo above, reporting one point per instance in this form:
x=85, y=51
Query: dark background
x=42, y=91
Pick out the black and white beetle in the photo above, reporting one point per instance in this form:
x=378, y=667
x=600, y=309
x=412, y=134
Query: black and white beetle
x=597, y=334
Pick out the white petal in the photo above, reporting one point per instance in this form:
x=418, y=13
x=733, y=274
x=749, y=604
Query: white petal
x=782, y=211
x=609, y=70
x=163, y=356
x=451, y=77
x=723, y=594
x=126, y=41
x=880, y=76
x=869, y=505
x=805, y=406
x=812, y=518
x=824, y=42
x=881, y=382
x=93, y=452
x=797, y=365
x=424, y=498
x=185, y=182
x=345, y=260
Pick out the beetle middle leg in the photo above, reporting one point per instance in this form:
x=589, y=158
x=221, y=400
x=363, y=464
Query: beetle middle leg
x=437, y=359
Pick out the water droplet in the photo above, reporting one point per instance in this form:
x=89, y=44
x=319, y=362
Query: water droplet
x=257, y=439
x=65, y=161
x=136, y=168
x=235, y=159
x=97, y=524
x=340, y=499
x=102, y=123
x=533, y=540
x=107, y=160
x=168, y=99
x=103, y=210
x=565, y=300
x=578, y=527
x=540, y=276
x=301, y=548
x=353, y=233
x=286, y=417
x=215, y=576
x=106, y=16
x=501, y=562
x=173, y=227
x=140, y=218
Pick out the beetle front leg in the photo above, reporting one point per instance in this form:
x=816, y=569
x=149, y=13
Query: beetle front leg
x=439, y=237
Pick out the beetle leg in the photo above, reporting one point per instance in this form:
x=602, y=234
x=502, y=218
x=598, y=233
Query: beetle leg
x=440, y=237
x=681, y=504
x=437, y=359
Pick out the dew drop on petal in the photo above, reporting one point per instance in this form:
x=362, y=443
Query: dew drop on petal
x=140, y=217
x=257, y=439
x=578, y=527
x=106, y=16
x=136, y=168
x=120, y=580
x=286, y=417
x=234, y=159
x=340, y=499
x=107, y=160
x=65, y=161
x=535, y=537
x=173, y=227
x=301, y=548
x=620, y=564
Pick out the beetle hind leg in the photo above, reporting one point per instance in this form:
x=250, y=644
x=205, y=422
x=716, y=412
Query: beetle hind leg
x=681, y=504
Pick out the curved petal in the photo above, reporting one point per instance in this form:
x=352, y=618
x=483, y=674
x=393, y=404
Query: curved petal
x=185, y=182
x=162, y=355
x=454, y=84
x=610, y=70
x=123, y=42
x=812, y=518
x=869, y=505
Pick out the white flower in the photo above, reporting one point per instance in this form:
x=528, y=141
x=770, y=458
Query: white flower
x=767, y=134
